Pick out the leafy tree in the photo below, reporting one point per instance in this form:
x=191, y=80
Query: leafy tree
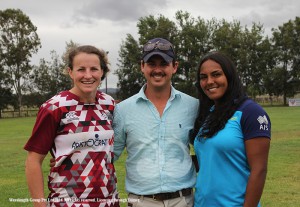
x=268, y=59
x=286, y=40
x=18, y=41
x=227, y=37
x=40, y=85
x=248, y=48
x=276, y=78
x=296, y=48
x=6, y=99
x=252, y=58
x=192, y=41
x=151, y=27
x=6, y=96
x=258, y=57
x=192, y=38
x=49, y=77
x=129, y=72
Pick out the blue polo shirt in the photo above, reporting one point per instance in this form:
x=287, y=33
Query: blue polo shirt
x=158, y=157
x=224, y=170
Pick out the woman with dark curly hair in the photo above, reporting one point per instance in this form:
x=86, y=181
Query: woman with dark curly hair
x=231, y=140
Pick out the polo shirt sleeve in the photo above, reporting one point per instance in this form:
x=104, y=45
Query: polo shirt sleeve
x=255, y=122
x=119, y=133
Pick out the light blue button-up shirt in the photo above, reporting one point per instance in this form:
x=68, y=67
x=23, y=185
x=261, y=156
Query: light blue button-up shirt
x=158, y=146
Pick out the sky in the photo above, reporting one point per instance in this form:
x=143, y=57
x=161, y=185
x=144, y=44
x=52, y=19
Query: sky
x=106, y=23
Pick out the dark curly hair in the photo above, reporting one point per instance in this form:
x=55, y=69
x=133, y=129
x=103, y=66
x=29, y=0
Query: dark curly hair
x=213, y=121
x=90, y=50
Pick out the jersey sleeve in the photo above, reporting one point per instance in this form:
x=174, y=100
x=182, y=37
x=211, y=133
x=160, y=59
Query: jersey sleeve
x=255, y=122
x=43, y=133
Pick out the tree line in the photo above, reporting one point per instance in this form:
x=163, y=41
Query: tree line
x=267, y=65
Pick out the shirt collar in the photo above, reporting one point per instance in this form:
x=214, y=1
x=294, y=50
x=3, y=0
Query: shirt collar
x=141, y=94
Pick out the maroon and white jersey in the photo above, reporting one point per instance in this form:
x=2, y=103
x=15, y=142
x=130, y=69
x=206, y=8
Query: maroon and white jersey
x=80, y=137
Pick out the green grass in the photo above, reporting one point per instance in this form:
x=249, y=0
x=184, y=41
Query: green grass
x=282, y=185
x=14, y=133
x=283, y=180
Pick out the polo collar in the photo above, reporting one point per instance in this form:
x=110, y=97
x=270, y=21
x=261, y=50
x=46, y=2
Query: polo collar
x=141, y=94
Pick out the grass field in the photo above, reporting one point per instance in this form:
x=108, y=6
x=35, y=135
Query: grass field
x=282, y=186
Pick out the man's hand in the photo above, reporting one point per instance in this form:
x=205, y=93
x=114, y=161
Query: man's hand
x=52, y=162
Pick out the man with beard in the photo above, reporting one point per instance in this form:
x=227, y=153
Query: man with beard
x=154, y=126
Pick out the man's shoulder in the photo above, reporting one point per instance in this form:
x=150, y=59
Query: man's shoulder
x=187, y=97
x=128, y=102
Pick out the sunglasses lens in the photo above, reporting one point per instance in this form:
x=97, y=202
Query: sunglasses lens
x=160, y=46
x=149, y=47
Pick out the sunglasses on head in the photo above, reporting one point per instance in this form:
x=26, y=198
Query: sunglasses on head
x=157, y=45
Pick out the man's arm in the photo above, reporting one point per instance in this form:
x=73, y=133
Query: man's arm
x=119, y=133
